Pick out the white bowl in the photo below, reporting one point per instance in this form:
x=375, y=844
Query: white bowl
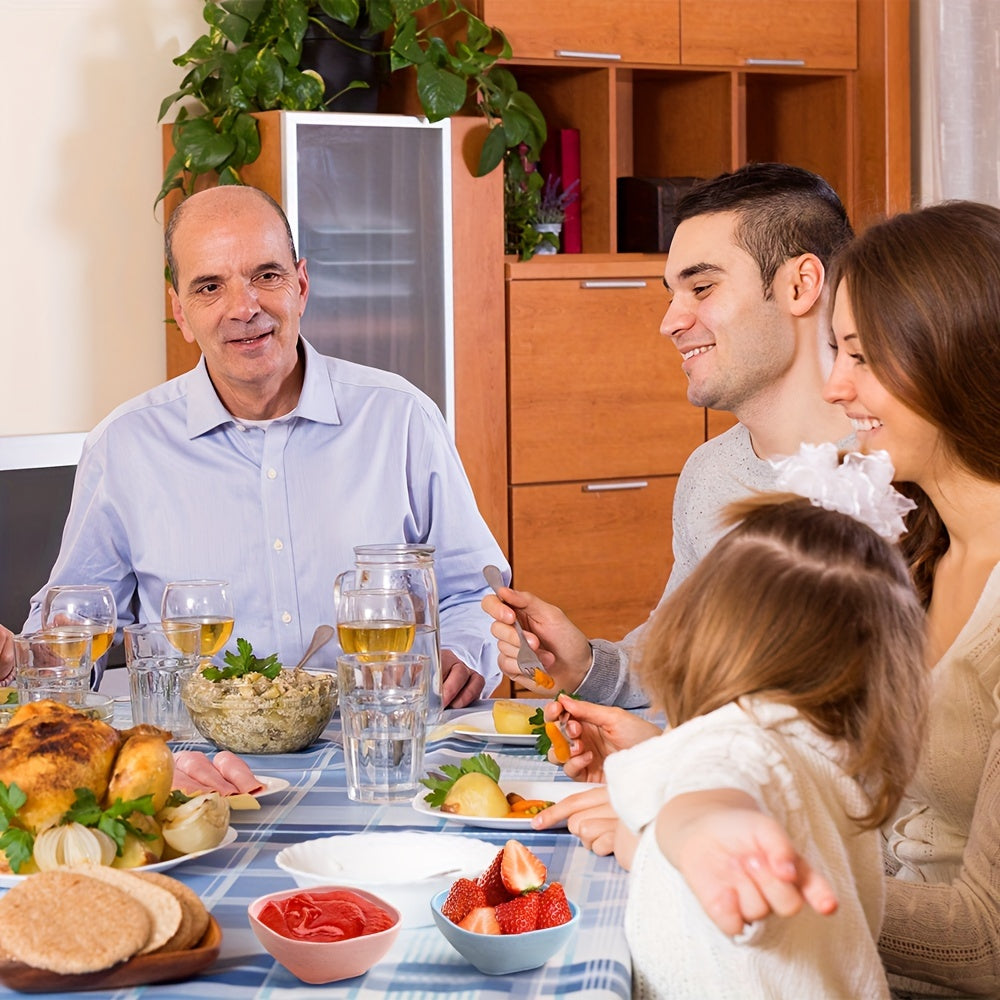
x=405, y=867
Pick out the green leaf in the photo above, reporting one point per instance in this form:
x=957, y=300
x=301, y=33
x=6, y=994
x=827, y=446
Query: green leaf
x=406, y=49
x=113, y=821
x=18, y=845
x=345, y=11
x=441, y=92
x=380, y=15
x=493, y=150
x=440, y=783
x=11, y=799
x=243, y=662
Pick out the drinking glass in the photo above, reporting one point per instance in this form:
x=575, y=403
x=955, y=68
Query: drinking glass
x=371, y=620
x=88, y=606
x=383, y=712
x=53, y=663
x=200, y=602
x=159, y=658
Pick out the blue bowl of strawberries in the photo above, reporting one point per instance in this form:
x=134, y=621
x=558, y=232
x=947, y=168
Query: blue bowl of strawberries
x=510, y=918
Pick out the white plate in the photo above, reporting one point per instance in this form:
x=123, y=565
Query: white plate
x=6, y=881
x=480, y=727
x=550, y=791
x=271, y=785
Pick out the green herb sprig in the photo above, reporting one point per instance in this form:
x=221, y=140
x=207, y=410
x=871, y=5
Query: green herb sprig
x=440, y=784
x=113, y=821
x=15, y=842
x=243, y=662
x=537, y=722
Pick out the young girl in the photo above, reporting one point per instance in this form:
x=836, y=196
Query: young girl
x=790, y=665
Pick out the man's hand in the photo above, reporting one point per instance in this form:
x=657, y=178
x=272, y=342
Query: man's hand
x=6, y=654
x=563, y=649
x=460, y=685
x=588, y=815
x=595, y=731
x=737, y=861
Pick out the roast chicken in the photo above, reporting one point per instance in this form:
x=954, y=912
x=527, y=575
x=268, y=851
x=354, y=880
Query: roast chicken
x=48, y=750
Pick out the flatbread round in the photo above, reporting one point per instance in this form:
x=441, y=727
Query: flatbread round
x=163, y=909
x=66, y=922
x=194, y=916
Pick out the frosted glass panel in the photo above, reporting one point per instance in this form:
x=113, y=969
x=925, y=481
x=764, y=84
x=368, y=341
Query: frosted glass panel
x=372, y=217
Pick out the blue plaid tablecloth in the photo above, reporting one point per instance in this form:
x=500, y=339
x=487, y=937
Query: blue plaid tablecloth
x=421, y=965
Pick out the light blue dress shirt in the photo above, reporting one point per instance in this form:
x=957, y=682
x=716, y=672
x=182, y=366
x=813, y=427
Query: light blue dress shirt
x=171, y=486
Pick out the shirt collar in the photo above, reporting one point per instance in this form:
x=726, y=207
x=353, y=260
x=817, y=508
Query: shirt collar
x=317, y=401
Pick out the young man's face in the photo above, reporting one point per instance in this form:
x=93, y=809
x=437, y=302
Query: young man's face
x=734, y=342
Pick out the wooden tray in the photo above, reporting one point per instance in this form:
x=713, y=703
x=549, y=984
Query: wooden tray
x=138, y=971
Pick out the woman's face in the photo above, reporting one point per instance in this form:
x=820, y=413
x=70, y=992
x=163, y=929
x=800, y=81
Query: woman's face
x=879, y=419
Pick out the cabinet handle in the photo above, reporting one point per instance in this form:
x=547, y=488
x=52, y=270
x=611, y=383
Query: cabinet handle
x=573, y=54
x=637, y=484
x=612, y=284
x=775, y=62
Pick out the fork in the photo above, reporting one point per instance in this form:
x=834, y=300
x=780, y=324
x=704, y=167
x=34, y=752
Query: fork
x=527, y=659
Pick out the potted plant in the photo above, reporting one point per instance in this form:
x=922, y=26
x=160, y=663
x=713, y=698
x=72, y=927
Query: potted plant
x=250, y=60
x=551, y=212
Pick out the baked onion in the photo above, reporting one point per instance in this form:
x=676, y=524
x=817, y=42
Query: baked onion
x=196, y=825
x=73, y=844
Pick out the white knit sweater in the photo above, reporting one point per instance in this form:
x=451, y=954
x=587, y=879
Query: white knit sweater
x=795, y=774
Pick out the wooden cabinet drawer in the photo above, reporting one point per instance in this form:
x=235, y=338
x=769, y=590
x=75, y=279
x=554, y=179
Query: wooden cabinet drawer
x=603, y=556
x=820, y=34
x=643, y=31
x=595, y=391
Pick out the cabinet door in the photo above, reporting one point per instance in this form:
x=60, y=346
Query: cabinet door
x=821, y=34
x=643, y=31
x=595, y=391
x=369, y=200
x=602, y=555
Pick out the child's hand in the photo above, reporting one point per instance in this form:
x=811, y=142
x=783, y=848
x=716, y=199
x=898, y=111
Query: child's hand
x=595, y=731
x=738, y=862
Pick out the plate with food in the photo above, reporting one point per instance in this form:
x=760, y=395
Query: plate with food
x=7, y=879
x=507, y=722
x=196, y=773
x=474, y=794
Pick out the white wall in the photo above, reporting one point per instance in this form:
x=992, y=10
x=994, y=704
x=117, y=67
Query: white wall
x=81, y=260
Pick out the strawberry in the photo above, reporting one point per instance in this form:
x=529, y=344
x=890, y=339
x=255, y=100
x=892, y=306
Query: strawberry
x=519, y=914
x=520, y=870
x=492, y=883
x=553, y=909
x=481, y=920
x=465, y=896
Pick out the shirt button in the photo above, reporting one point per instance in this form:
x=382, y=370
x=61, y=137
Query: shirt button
x=278, y=545
x=272, y=474
x=286, y=617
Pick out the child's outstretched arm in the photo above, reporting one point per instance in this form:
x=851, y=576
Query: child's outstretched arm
x=737, y=861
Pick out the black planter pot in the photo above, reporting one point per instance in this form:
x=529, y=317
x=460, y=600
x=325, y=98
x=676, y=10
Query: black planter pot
x=339, y=64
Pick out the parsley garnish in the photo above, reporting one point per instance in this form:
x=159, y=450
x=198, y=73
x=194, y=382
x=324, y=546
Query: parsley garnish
x=15, y=842
x=87, y=811
x=244, y=662
x=439, y=784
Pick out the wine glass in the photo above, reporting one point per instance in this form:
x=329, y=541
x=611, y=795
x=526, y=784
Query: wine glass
x=200, y=602
x=87, y=606
x=373, y=620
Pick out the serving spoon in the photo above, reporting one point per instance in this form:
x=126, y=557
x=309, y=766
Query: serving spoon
x=322, y=635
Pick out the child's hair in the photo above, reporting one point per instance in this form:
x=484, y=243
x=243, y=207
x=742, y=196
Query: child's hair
x=811, y=608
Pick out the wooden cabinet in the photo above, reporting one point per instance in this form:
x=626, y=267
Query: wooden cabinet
x=600, y=426
x=817, y=35
x=823, y=85
x=646, y=31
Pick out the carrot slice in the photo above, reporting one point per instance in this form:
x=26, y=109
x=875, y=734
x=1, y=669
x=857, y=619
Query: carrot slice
x=560, y=745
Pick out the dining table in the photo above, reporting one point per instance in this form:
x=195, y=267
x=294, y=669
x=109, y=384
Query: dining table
x=593, y=965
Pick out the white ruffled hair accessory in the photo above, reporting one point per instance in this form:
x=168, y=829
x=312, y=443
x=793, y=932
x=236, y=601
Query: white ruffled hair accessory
x=859, y=485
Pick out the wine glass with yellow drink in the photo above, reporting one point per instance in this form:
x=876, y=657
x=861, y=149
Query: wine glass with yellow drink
x=90, y=607
x=371, y=620
x=206, y=603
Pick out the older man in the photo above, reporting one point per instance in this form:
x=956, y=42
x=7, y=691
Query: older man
x=268, y=462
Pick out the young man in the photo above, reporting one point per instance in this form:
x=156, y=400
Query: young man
x=747, y=273
x=268, y=462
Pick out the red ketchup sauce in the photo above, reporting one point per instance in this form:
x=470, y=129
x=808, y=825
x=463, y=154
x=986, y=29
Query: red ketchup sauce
x=331, y=915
